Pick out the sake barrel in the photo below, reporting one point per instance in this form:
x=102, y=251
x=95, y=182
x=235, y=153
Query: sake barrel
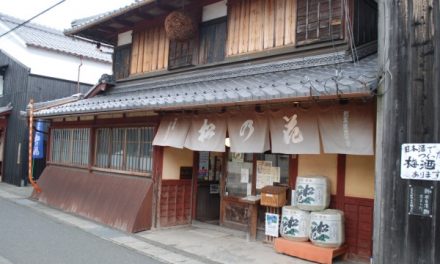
x=327, y=228
x=295, y=224
x=312, y=193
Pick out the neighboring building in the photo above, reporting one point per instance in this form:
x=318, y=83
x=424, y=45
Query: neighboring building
x=153, y=144
x=39, y=63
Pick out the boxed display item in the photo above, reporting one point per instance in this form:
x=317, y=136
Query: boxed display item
x=274, y=196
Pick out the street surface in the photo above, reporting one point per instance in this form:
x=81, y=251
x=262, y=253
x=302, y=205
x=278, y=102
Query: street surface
x=27, y=236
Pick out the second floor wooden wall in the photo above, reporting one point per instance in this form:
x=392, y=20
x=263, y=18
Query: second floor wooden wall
x=251, y=26
x=256, y=25
x=149, y=50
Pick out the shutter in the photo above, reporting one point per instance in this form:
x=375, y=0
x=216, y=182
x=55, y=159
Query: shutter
x=181, y=53
x=319, y=20
x=212, y=41
x=121, y=65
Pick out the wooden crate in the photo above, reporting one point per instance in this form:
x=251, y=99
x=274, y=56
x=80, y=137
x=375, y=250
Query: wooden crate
x=273, y=196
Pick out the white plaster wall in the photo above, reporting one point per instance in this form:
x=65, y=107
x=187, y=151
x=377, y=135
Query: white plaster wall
x=48, y=63
x=51, y=63
x=215, y=10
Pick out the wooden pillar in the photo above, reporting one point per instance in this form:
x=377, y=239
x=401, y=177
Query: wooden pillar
x=408, y=112
x=194, y=184
x=340, y=181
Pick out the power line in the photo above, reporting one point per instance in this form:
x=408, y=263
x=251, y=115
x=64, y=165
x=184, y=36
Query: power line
x=27, y=21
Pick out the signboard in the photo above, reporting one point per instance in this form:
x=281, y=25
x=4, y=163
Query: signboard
x=420, y=162
x=272, y=224
x=213, y=188
x=420, y=200
x=38, y=152
x=203, y=165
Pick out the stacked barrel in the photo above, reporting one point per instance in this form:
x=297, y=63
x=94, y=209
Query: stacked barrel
x=308, y=217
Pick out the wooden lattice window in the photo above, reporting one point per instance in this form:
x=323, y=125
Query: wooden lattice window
x=70, y=146
x=182, y=53
x=125, y=149
x=319, y=20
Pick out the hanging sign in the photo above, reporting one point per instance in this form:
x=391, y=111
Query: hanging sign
x=172, y=132
x=248, y=132
x=420, y=162
x=294, y=131
x=347, y=130
x=38, y=152
x=207, y=133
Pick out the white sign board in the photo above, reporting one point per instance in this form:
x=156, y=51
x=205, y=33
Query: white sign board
x=420, y=162
x=272, y=224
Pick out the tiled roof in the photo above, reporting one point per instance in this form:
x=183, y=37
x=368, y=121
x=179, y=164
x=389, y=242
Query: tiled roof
x=5, y=109
x=52, y=39
x=82, y=23
x=304, y=78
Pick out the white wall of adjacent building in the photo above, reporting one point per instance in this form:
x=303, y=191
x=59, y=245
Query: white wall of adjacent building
x=51, y=63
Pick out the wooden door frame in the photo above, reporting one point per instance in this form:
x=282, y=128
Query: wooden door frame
x=195, y=183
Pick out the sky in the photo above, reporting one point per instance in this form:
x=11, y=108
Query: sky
x=62, y=15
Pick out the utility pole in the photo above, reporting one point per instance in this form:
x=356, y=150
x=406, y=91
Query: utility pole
x=408, y=103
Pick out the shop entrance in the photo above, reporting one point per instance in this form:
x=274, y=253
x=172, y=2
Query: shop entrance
x=210, y=169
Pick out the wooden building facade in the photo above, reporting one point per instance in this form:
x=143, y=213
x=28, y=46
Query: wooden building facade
x=18, y=87
x=262, y=58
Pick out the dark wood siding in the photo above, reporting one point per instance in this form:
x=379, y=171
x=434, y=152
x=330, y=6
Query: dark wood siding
x=408, y=112
x=182, y=53
x=14, y=92
x=19, y=87
x=212, y=41
x=121, y=62
x=365, y=21
x=319, y=20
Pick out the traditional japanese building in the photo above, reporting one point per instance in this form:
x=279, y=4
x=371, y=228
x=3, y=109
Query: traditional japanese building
x=39, y=63
x=183, y=132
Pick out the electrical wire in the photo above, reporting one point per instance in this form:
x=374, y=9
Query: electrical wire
x=30, y=19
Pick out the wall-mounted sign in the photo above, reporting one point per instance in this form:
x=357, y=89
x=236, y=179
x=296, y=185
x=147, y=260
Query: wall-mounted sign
x=420, y=200
x=214, y=189
x=420, y=162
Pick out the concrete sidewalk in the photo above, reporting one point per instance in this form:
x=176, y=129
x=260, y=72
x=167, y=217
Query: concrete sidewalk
x=199, y=243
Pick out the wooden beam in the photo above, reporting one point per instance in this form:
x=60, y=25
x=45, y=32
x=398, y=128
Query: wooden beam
x=167, y=7
x=194, y=184
x=123, y=22
x=408, y=112
x=340, y=181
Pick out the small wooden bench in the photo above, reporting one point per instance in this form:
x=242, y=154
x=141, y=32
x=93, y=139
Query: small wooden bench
x=308, y=251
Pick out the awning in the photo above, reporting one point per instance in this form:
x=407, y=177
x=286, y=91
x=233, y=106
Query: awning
x=207, y=133
x=347, y=129
x=344, y=130
x=294, y=131
x=172, y=132
x=248, y=132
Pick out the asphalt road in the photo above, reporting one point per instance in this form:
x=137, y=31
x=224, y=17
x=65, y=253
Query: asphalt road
x=27, y=236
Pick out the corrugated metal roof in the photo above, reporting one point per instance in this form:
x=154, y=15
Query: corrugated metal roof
x=52, y=39
x=284, y=80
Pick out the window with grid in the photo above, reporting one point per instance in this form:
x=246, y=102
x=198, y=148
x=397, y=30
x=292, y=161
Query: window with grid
x=126, y=149
x=70, y=146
